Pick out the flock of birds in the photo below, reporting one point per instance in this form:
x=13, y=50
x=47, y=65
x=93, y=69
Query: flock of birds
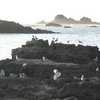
x=54, y=40
x=57, y=73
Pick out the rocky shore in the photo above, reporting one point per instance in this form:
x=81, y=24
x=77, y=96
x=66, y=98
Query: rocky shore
x=29, y=75
x=9, y=27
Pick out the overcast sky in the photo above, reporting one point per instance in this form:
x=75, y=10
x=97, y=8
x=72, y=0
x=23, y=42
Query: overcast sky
x=30, y=11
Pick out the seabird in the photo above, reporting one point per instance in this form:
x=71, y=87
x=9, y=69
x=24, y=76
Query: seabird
x=24, y=64
x=56, y=40
x=17, y=58
x=44, y=58
x=82, y=78
x=97, y=69
x=2, y=73
x=22, y=75
x=13, y=75
x=80, y=41
x=57, y=74
x=96, y=59
x=67, y=41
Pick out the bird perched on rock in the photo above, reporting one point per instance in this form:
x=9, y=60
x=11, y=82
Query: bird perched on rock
x=13, y=75
x=2, y=73
x=97, y=69
x=22, y=75
x=95, y=59
x=82, y=78
x=24, y=64
x=44, y=58
x=57, y=74
x=80, y=41
x=17, y=58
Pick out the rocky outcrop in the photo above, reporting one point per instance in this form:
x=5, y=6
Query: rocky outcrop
x=58, y=52
x=12, y=27
x=53, y=24
x=85, y=20
x=61, y=19
x=39, y=83
x=42, y=22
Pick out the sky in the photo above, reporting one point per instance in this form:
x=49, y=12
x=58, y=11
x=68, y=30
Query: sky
x=31, y=11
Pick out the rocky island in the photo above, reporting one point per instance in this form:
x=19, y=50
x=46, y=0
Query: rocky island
x=39, y=71
x=61, y=19
x=53, y=24
x=12, y=27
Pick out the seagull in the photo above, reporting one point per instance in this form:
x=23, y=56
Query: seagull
x=80, y=41
x=96, y=59
x=82, y=78
x=24, y=64
x=57, y=74
x=13, y=75
x=17, y=58
x=22, y=75
x=67, y=41
x=44, y=58
x=2, y=73
x=97, y=69
x=56, y=40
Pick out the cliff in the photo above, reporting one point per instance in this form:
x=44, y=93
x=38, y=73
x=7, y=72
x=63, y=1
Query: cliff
x=12, y=27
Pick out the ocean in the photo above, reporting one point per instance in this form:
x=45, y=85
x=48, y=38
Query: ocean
x=84, y=33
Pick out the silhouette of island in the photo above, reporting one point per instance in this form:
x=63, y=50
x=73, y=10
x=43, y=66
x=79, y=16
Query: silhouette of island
x=53, y=24
x=61, y=19
x=41, y=22
x=12, y=27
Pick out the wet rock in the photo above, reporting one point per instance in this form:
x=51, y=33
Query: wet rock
x=42, y=96
x=36, y=49
x=71, y=98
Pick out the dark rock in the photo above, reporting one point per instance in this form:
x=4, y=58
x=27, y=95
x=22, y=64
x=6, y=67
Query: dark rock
x=12, y=27
x=39, y=83
x=71, y=98
x=42, y=96
x=59, y=52
x=67, y=26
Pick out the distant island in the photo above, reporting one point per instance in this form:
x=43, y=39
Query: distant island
x=61, y=19
x=12, y=27
x=53, y=24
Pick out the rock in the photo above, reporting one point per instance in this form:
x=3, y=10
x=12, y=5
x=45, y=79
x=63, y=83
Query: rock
x=53, y=24
x=61, y=19
x=67, y=26
x=85, y=20
x=42, y=96
x=42, y=22
x=36, y=49
x=12, y=27
x=39, y=83
x=71, y=98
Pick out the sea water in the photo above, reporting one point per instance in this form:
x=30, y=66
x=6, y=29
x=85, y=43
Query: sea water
x=87, y=35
